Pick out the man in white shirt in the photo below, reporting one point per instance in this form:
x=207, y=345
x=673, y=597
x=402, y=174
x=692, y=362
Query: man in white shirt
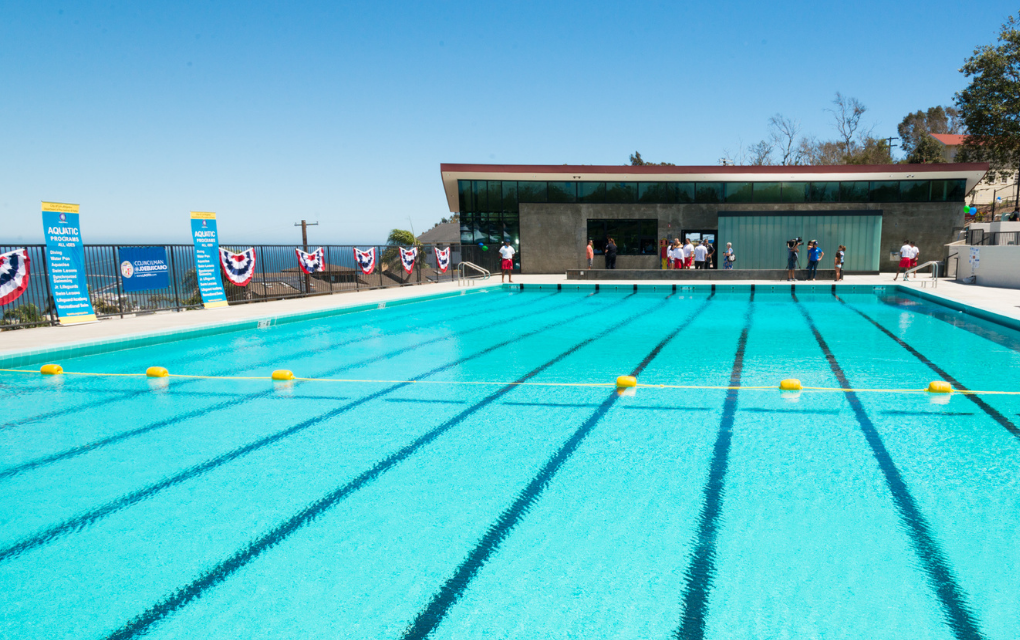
x=688, y=253
x=700, y=254
x=906, y=255
x=507, y=266
x=914, y=252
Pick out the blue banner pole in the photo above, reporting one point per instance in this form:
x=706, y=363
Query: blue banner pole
x=66, y=263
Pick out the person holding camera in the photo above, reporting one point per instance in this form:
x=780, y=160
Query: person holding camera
x=793, y=253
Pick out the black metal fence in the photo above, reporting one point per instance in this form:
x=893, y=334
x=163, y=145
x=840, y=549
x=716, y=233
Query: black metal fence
x=277, y=277
x=979, y=237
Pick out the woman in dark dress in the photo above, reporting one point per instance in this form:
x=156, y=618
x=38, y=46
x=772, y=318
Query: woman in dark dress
x=610, y=254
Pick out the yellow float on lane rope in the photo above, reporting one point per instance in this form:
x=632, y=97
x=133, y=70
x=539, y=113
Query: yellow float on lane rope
x=283, y=374
x=51, y=369
x=626, y=382
x=157, y=372
x=791, y=384
x=939, y=386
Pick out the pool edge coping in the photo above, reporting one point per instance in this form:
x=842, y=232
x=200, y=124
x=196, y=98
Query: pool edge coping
x=25, y=357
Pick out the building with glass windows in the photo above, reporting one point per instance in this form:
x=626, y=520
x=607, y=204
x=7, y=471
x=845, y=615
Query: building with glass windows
x=551, y=211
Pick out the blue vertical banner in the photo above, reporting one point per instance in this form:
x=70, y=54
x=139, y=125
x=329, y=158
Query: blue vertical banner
x=207, y=259
x=143, y=268
x=66, y=261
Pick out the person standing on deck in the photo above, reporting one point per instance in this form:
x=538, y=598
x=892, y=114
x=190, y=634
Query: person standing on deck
x=508, y=261
x=688, y=254
x=610, y=253
x=590, y=250
x=700, y=255
x=906, y=256
x=840, y=257
x=914, y=252
x=728, y=256
x=814, y=255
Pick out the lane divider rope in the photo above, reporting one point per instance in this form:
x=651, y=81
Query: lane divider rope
x=533, y=384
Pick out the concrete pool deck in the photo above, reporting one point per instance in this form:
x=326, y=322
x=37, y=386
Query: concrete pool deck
x=1004, y=302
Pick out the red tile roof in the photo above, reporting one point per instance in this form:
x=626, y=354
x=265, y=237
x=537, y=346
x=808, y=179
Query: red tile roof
x=950, y=139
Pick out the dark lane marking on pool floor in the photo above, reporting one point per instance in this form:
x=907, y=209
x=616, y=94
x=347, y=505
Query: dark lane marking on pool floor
x=451, y=591
x=276, y=360
x=987, y=408
x=141, y=624
x=951, y=597
x=234, y=401
x=700, y=572
x=82, y=520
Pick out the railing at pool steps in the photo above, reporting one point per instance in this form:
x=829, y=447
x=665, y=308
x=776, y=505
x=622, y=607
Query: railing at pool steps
x=483, y=274
x=934, y=280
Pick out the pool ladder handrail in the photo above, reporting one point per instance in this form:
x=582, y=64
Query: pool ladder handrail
x=467, y=280
x=934, y=264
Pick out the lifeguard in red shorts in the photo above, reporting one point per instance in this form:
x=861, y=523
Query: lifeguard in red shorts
x=508, y=261
x=906, y=257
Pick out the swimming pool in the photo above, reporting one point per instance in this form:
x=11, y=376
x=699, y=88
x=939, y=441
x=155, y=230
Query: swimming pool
x=447, y=508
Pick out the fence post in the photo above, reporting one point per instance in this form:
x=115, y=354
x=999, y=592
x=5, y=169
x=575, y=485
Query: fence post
x=49, y=296
x=378, y=264
x=116, y=276
x=173, y=276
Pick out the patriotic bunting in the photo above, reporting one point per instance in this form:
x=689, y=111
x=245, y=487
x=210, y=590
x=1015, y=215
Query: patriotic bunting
x=239, y=267
x=442, y=259
x=407, y=257
x=13, y=275
x=366, y=260
x=311, y=262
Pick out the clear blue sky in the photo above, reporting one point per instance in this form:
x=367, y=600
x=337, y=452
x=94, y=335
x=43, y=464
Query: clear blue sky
x=342, y=112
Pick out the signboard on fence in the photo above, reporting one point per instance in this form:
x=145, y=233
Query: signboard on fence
x=143, y=268
x=207, y=259
x=66, y=258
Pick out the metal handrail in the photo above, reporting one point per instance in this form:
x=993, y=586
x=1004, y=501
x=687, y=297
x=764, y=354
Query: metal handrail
x=934, y=264
x=484, y=273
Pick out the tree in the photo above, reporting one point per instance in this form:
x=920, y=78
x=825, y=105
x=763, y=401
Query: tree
x=637, y=161
x=918, y=126
x=401, y=236
x=760, y=154
x=871, y=151
x=990, y=105
x=926, y=151
x=783, y=133
x=848, y=113
x=815, y=152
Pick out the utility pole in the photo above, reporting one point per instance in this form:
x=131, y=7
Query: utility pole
x=304, y=243
x=888, y=141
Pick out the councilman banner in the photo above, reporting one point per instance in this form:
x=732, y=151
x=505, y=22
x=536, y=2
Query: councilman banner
x=66, y=258
x=207, y=259
x=143, y=268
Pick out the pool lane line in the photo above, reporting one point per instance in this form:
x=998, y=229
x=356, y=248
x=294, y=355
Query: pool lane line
x=237, y=400
x=84, y=519
x=940, y=576
x=429, y=618
x=700, y=573
x=957, y=385
x=496, y=383
x=141, y=624
x=307, y=352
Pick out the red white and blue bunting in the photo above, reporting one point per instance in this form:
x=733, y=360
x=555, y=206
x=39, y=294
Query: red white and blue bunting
x=407, y=257
x=239, y=267
x=311, y=262
x=13, y=275
x=365, y=260
x=442, y=259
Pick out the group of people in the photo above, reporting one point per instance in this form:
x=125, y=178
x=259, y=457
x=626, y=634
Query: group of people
x=815, y=255
x=908, y=258
x=687, y=255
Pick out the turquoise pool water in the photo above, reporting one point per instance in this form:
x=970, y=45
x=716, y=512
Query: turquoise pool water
x=211, y=508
